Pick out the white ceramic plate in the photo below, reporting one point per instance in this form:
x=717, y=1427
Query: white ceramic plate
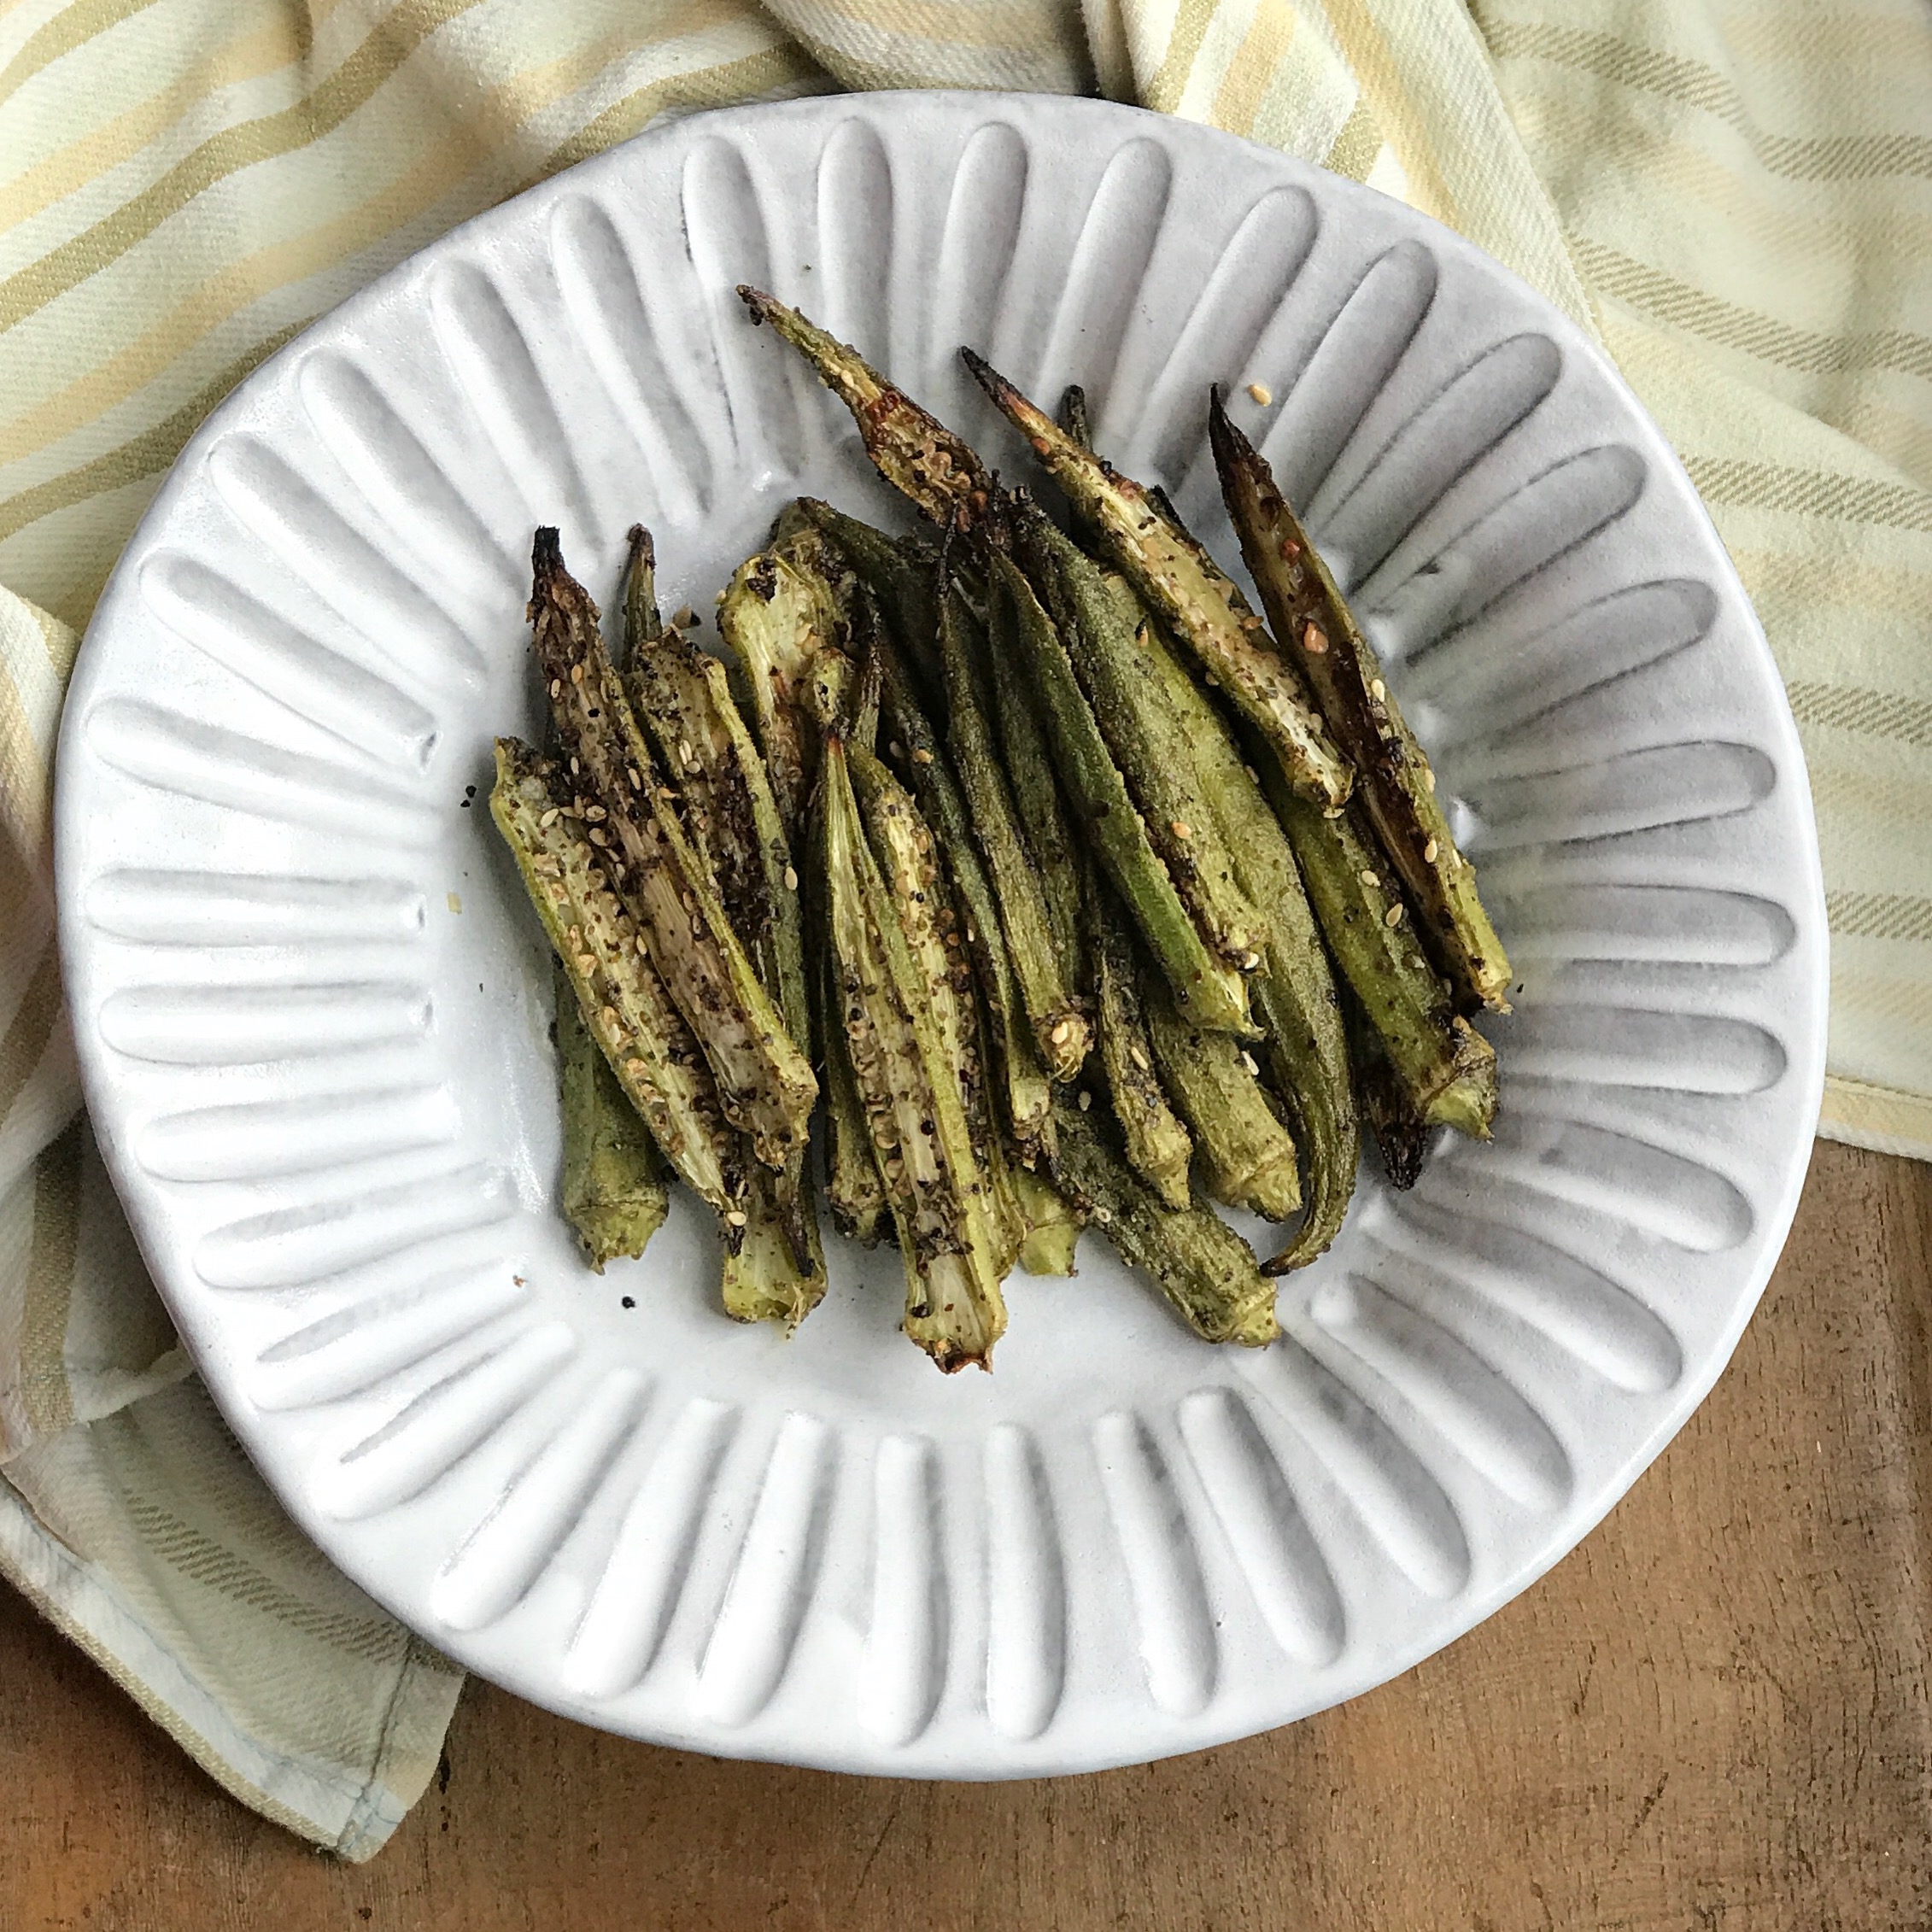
x=312, y=1008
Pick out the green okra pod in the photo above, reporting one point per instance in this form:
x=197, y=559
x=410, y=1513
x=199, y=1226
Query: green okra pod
x=902, y=576
x=854, y=1189
x=1246, y=1155
x=1212, y=992
x=1112, y=658
x=1051, y=1225
x=614, y=1194
x=652, y=1052
x=1447, y=1069
x=765, y=1080
x=1042, y=812
x=914, y=1107
x=1402, y=1135
x=1018, y=1070
x=1203, y=1267
x=1184, y=585
x=911, y=450
x=1396, y=783
x=778, y=616
x=731, y=814
x=1305, y=1049
x=1060, y=1028
x=1158, y=1145
x=766, y=1279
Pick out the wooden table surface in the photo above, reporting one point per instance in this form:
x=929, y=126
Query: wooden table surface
x=1713, y=1714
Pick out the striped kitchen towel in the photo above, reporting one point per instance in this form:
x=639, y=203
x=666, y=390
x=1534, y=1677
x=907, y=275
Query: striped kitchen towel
x=1738, y=199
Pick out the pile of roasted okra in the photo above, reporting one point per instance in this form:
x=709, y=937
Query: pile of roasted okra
x=1036, y=878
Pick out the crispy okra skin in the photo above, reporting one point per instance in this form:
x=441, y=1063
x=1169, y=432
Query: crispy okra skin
x=1018, y=1072
x=613, y=1193
x=731, y=814
x=1396, y=784
x=1245, y=1155
x=764, y=1079
x=1184, y=586
x=1305, y=1050
x=1112, y=658
x=777, y=616
x=1203, y=1267
x=914, y=1108
x=1212, y=992
x=1446, y=1068
x=1158, y=1145
x=651, y=1051
x=1060, y=1028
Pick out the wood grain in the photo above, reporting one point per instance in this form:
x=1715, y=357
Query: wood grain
x=1714, y=1714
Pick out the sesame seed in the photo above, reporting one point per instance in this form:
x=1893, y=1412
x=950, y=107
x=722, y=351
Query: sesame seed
x=1376, y=689
x=1248, y=1062
x=577, y=674
x=585, y=964
x=1393, y=916
x=1429, y=852
x=1370, y=879
x=1262, y=393
x=1086, y=1099
x=550, y=818
x=718, y=600
x=1138, y=1055
x=1180, y=829
x=791, y=879
x=1252, y=773
x=736, y=1217
x=922, y=756
x=556, y=688
x=1312, y=641
x=1428, y=778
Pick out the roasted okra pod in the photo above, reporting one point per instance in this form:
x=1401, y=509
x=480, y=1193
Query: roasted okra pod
x=614, y=1194
x=1203, y=1267
x=1396, y=784
x=764, y=1081
x=1181, y=582
x=939, y=1196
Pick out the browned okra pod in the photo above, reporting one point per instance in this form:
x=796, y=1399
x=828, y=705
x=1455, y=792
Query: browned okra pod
x=1397, y=784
